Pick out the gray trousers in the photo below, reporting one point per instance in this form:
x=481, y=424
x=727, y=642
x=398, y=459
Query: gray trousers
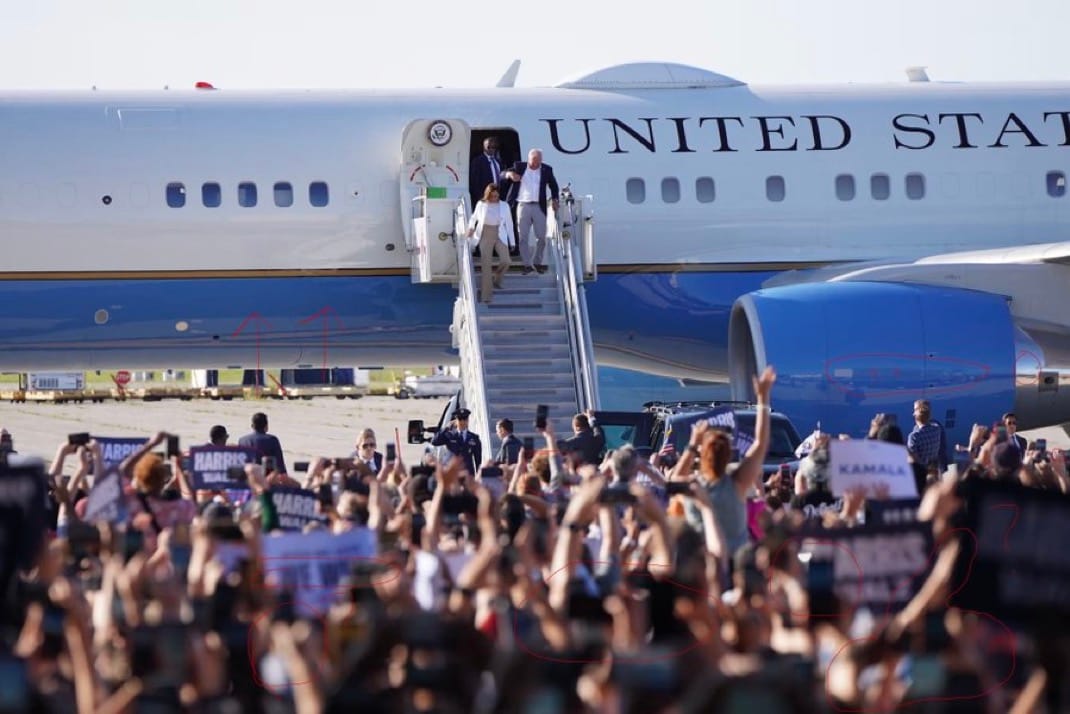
x=528, y=216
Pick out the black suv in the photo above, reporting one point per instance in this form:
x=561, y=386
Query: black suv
x=649, y=427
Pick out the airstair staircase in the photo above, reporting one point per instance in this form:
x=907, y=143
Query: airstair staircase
x=532, y=345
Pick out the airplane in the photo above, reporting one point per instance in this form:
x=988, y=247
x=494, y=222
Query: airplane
x=876, y=243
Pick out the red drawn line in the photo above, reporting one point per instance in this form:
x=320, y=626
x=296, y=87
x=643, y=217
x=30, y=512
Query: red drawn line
x=981, y=372
x=1014, y=521
x=1008, y=636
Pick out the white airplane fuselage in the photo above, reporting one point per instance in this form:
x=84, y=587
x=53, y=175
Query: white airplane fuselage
x=738, y=184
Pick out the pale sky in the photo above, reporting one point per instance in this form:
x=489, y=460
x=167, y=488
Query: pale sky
x=349, y=43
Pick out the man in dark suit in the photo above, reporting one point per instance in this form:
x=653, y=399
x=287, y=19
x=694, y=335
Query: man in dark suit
x=1010, y=420
x=484, y=169
x=509, y=451
x=365, y=451
x=530, y=182
x=588, y=439
x=460, y=442
x=265, y=444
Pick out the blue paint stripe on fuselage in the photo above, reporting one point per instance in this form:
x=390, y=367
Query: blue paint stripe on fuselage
x=679, y=318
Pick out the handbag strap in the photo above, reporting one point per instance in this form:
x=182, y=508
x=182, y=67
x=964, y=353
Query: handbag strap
x=148, y=509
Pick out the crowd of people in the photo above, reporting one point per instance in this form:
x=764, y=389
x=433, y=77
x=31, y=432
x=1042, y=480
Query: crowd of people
x=562, y=578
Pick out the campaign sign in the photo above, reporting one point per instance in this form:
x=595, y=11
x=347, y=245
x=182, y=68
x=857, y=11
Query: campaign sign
x=209, y=465
x=105, y=499
x=310, y=566
x=296, y=508
x=876, y=566
x=725, y=418
x=114, y=450
x=1013, y=558
x=868, y=464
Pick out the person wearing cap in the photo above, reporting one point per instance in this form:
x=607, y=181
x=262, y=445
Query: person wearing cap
x=460, y=442
x=218, y=435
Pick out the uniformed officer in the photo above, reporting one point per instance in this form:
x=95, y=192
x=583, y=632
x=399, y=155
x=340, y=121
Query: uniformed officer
x=461, y=442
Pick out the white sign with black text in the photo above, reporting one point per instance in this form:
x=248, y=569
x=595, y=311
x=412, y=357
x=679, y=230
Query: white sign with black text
x=873, y=466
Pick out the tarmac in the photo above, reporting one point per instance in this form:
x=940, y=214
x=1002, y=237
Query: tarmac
x=307, y=429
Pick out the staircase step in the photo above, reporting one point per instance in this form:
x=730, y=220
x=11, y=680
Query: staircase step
x=522, y=322
x=501, y=306
x=526, y=365
x=538, y=395
x=530, y=382
x=505, y=351
x=531, y=336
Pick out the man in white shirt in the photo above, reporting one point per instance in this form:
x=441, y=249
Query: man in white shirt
x=528, y=191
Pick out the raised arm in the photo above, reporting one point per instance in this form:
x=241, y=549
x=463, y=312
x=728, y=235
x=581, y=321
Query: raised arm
x=126, y=468
x=750, y=468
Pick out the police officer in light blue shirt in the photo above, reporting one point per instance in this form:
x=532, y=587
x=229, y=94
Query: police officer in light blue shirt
x=460, y=442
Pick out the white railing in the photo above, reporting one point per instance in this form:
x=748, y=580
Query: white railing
x=563, y=245
x=466, y=333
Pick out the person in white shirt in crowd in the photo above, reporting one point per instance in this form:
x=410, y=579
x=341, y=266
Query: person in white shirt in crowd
x=491, y=216
x=528, y=192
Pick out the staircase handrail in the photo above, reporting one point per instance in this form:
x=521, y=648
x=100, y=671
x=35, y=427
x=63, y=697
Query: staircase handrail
x=570, y=278
x=473, y=373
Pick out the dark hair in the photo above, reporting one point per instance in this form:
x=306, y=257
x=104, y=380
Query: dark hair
x=260, y=422
x=891, y=433
x=581, y=421
x=506, y=424
x=1009, y=415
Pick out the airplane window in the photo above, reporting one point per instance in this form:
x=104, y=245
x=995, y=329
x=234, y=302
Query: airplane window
x=211, y=195
x=915, y=186
x=845, y=187
x=705, y=190
x=670, y=190
x=635, y=188
x=880, y=187
x=176, y=195
x=317, y=194
x=1056, y=184
x=774, y=188
x=247, y=194
x=284, y=194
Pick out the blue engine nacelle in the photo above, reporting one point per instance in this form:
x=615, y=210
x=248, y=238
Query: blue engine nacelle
x=846, y=351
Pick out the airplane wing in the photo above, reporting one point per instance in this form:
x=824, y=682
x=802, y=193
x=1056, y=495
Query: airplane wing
x=1033, y=278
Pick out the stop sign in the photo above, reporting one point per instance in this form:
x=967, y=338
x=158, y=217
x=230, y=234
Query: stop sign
x=122, y=377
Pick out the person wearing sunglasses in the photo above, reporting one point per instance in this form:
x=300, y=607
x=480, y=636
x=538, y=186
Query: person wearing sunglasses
x=365, y=451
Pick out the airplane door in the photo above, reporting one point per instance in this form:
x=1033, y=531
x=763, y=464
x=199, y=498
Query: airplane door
x=434, y=168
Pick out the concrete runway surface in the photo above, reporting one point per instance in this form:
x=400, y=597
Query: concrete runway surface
x=306, y=428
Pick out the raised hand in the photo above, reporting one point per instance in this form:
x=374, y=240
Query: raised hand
x=763, y=385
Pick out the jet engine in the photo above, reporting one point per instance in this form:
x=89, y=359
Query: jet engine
x=845, y=351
